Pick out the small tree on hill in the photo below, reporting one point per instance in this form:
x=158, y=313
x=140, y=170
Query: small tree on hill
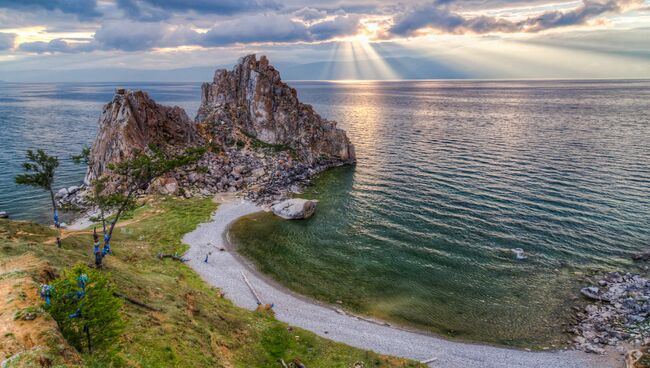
x=115, y=191
x=39, y=172
x=87, y=312
x=140, y=171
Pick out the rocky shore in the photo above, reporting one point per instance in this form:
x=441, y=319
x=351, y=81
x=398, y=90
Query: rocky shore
x=261, y=140
x=617, y=314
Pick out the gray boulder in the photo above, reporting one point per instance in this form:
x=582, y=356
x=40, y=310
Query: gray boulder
x=295, y=209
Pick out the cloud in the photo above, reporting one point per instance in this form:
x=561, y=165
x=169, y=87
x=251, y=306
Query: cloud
x=309, y=14
x=222, y=7
x=277, y=28
x=439, y=15
x=7, y=41
x=57, y=46
x=142, y=12
x=342, y=25
x=133, y=36
x=84, y=9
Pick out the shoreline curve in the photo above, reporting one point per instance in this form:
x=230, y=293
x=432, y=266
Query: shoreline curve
x=224, y=270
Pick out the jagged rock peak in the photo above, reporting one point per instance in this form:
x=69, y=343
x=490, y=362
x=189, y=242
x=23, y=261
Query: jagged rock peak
x=132, y=121
x=253, y=98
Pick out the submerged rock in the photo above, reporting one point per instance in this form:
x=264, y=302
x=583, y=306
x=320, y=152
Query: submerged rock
x=295, y=208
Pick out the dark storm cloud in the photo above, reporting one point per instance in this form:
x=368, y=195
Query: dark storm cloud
x=7, y=41
x=84, y=9
x=439, y=15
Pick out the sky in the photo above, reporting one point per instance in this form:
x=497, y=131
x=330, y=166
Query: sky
x=185, y=40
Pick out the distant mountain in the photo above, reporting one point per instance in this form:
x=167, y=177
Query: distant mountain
x=390, y=68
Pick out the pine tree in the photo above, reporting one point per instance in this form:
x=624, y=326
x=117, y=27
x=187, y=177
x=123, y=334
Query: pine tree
x=39, y=172
x=86, y=310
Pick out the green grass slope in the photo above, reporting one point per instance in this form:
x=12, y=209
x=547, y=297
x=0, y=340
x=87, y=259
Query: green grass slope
x=195, y=327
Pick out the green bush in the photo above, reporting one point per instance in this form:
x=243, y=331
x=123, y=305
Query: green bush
x=91, y=320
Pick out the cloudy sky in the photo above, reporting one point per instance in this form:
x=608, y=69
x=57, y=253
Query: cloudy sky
x=106, y=40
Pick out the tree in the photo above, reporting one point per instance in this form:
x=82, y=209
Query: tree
x=145, y=166
x=40, y=169
x=85, y=307
x=115, y=191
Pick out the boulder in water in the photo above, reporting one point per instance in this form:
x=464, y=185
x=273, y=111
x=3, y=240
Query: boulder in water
x=4, y=214
x=295, y=209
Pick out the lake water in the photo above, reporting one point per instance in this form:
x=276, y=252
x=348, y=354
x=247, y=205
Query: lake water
x=450, y=177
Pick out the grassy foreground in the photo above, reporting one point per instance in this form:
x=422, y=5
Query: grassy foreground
x=195, y=327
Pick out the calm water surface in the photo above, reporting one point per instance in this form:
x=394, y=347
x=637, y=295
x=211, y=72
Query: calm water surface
x=451, y=176
x=61, y=119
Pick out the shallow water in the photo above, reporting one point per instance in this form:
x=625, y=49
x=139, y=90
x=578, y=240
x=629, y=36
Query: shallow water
x=451, y=177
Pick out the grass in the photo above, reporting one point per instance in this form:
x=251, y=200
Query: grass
x=195, y=327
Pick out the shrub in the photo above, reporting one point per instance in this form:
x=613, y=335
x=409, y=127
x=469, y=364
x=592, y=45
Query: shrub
x=89, y=318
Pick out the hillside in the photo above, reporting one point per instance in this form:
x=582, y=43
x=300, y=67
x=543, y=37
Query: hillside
x=195, y=327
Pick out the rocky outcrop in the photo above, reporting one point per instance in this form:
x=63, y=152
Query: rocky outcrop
x=132, y=121
x=260, y=139
x=253, y=98
x=618, y=313
x=295, y=209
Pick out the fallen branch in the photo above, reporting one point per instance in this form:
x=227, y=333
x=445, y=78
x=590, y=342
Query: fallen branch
x=136, y=302
x=259, y=301
x=429, y=361
x=172, y=256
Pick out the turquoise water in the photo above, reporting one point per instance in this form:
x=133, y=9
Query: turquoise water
x=453, y=175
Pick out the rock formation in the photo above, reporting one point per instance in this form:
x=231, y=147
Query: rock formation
x=295, y=209
x=131, y=122
x=253, y=98
x=260, y=138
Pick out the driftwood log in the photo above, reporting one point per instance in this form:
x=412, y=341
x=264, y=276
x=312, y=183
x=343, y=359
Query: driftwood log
x=172, y=256
x=136, y=302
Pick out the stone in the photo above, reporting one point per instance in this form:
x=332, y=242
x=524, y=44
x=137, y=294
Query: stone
x=593, y=349
x=295, y=209
x=590, y=292
x=257, y=173
x=4, y=214
x=164, y=185
x=63, y=192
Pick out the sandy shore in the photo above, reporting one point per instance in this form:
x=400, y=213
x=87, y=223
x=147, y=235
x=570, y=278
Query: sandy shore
x=224, y=270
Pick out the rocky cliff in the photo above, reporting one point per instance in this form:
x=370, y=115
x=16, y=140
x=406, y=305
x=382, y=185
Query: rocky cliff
x=131, y=122
x=261, y=139
x=253, y=98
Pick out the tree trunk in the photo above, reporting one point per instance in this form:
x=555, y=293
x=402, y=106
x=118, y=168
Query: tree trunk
x=90, y=349
x=54, y=208
x=119, y=212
